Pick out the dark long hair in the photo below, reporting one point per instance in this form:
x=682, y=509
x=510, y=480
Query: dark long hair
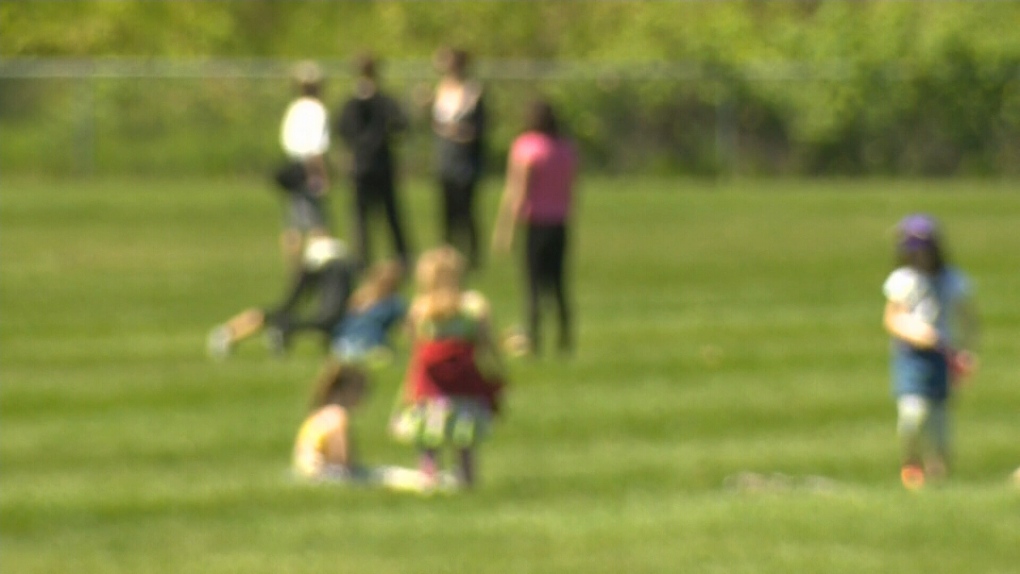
x=333, y=379
x=453, y=61
x=925, y=255
x=366, y=66
x=541, y=117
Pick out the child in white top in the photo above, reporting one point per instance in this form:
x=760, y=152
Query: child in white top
x=932, y=322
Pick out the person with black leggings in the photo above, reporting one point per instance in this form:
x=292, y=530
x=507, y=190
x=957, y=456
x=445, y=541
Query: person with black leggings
x=367, y=123
x=459, y=123
x=541, y=171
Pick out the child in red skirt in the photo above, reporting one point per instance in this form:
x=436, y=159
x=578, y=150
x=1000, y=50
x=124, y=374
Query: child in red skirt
x=455, y=381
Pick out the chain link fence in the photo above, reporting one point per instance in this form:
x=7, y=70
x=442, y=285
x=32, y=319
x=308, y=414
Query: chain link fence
x=219, y=117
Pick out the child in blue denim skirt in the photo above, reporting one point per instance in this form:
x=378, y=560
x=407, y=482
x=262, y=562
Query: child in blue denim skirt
x=931, y=319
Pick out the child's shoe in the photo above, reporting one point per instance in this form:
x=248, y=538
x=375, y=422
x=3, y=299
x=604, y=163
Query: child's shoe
x=912, y=477
x=218, y=344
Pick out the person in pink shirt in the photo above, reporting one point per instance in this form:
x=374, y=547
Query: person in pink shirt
x=538, y=196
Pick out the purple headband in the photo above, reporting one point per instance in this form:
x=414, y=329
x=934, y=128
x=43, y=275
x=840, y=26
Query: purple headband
x=917, y=231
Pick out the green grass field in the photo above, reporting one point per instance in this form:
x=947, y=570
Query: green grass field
x=724, y=328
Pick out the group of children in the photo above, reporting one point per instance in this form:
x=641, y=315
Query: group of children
x=454, y=383
x=455, y=379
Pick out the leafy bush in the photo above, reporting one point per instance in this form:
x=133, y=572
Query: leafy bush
x=700, y=88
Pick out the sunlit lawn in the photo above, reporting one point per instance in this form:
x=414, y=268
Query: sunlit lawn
x=724, y=329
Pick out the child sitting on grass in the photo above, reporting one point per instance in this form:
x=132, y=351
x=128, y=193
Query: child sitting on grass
x=324, y=448
x=454, y=381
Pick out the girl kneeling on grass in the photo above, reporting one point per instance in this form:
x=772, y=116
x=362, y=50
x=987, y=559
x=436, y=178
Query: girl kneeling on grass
x=932, y=322
x=454, y=382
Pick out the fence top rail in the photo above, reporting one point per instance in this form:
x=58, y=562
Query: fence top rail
x=421, y=69
x=586, y=1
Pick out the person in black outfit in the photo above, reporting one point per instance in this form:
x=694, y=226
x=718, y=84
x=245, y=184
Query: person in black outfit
x=326, y=275
x=367, y=123
x=459, y=123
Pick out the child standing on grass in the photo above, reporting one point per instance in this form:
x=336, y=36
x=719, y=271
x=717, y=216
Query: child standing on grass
x=932, y=322
x=454, y=382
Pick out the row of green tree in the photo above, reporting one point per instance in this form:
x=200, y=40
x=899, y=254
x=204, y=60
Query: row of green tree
x=787, y=87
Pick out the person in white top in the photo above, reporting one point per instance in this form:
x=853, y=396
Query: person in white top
x=304, y=137
x=930, y=316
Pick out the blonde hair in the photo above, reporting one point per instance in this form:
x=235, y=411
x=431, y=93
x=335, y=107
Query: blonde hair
x=382, y=280
x=438, y=277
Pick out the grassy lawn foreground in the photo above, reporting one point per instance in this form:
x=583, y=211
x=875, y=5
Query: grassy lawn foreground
x=724, y=329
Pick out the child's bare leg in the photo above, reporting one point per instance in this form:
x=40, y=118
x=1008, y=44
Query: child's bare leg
x=429, y=463
x=936, y=463
x=291, y=243
x=466, y=468
x=912, y=411
x=245, y=324
x=912, y=414
x=223, y=337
